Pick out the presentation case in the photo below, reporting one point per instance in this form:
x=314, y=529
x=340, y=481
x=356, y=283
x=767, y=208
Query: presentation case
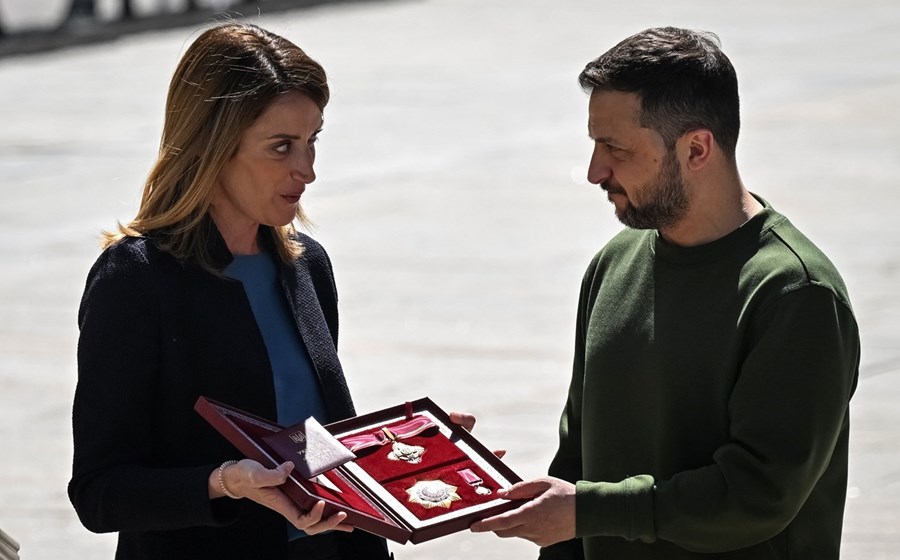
x=407, y=473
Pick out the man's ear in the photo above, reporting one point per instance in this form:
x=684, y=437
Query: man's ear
x=698, y=145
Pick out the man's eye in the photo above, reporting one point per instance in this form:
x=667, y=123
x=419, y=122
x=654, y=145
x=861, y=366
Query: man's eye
x=283, y=148
x=615, y=151
x=313, y=139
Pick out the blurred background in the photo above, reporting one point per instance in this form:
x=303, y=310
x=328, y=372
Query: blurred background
x=451, y=197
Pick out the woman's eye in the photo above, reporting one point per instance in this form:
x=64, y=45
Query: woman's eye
x=283, y=148
x=313, y=139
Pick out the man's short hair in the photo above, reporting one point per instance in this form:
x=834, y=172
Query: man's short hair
x=684, y=81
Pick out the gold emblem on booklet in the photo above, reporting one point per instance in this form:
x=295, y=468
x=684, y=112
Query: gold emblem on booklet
x=298, y=437
x=311, y=448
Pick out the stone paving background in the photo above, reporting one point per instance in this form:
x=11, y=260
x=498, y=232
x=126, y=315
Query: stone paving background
x=451, y=197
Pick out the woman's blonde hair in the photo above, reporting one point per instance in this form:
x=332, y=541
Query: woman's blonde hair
x=224, y=81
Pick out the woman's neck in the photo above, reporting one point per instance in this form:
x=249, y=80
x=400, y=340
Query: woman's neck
x=241, y=236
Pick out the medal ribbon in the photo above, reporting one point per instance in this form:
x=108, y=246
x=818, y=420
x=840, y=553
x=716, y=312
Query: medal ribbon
x=470, y=477
x=384, y=436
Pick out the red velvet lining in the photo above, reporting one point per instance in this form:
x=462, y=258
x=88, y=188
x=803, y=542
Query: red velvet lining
x=441, y=461
x=347, y=496
x=438, y=451
x=448, y=475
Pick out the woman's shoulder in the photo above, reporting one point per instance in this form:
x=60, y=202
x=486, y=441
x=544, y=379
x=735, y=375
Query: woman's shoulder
x=313, y=253
x=127, y=273
x=140, y=249
x=131, y=258
x=309, y=244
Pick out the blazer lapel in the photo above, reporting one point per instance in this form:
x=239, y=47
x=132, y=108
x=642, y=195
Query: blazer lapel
x=311, y=324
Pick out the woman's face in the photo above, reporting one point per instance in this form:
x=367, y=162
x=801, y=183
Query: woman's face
x=263, y=181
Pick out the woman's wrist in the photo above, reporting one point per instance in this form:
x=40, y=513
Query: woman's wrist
x=216, y=484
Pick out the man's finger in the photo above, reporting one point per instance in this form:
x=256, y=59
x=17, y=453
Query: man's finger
x=524, y=490
x=500, y=522
x=511, y=533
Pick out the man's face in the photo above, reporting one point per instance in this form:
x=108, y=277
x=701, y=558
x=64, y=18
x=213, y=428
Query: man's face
x=641, y=176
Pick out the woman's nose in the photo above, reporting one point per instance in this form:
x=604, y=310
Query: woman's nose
x=303, y=166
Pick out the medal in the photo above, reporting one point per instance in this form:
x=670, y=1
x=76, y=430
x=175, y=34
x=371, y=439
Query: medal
x=432, y=493
x=474, y=481
x=402, y=451
x=399, y=451
x=409, y=453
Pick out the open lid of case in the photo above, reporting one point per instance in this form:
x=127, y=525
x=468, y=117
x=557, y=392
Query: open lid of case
x=248, y=433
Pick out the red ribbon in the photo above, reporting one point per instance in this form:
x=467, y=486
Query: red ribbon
x=384, y=435
x=470, y=477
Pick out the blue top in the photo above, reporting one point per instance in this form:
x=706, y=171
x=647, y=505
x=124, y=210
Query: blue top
x=297, y=395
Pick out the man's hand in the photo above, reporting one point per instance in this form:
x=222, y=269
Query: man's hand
x=467, y=421
x=464, y=419
x=548, y=518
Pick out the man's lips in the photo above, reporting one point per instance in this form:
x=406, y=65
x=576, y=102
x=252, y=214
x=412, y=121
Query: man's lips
x=612, y=190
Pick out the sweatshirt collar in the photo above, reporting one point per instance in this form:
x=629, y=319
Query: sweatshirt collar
x=745, y=236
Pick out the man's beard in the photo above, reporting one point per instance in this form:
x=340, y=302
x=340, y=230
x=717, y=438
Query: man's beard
x=666, y=202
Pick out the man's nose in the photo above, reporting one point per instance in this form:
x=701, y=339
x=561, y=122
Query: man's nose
x=599, y=169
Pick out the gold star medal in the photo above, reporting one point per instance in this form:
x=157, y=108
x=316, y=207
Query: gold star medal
x=432, y=493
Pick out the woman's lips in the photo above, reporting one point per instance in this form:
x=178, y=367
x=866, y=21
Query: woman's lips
x=292, y=198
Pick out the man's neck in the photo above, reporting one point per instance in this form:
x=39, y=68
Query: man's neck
x=714, y=212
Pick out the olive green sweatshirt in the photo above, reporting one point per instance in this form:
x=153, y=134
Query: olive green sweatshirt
x=708, y=409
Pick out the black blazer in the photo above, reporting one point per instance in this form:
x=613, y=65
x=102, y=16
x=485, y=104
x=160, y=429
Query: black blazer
x=156, y=334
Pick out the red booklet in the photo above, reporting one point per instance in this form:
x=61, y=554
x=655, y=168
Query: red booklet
x=311, y=448
x=407, y=473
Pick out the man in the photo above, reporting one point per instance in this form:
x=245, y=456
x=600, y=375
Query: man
x=716, y=350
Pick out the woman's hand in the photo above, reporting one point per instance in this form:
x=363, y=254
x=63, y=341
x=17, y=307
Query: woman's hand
x=248, y=479
x=467, y=421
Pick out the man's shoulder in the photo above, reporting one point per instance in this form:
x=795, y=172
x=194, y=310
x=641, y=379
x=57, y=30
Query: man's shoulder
x=624, y=246
x=795, y=249
x=787, y=252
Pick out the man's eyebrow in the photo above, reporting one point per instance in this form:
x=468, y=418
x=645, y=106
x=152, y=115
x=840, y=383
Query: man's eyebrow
x=603, y=139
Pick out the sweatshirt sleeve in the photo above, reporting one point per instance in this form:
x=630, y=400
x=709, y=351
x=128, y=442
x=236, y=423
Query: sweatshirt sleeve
x=115, y=486
x=566, y=464
x=786, y=413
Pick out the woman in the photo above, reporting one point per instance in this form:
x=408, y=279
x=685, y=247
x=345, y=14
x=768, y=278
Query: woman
x=210, y=291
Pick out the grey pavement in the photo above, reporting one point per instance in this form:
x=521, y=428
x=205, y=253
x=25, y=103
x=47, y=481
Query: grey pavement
x=451, y=197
